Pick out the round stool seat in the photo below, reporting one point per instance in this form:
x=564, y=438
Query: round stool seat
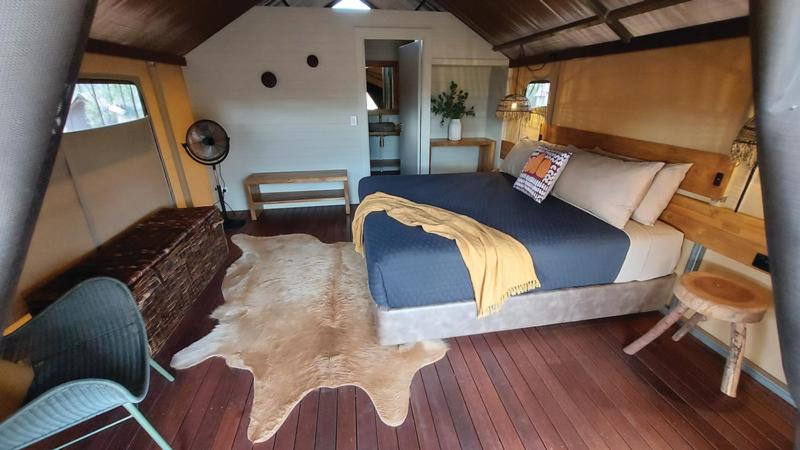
x=722, y=297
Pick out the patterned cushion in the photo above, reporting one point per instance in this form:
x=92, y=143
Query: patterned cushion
x=541, y=172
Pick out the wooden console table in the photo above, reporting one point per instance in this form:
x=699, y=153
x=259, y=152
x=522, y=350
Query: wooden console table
x=256, y=198
x=485, y=145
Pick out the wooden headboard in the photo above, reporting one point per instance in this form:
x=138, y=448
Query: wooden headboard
x=709, y=176
x=737, y=236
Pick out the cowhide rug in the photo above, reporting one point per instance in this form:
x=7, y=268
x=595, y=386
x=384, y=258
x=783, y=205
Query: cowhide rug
x=297, y=315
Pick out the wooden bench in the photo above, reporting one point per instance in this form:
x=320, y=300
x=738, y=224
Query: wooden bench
x=256, y=198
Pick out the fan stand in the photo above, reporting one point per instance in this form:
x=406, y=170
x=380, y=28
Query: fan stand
x=227, y=222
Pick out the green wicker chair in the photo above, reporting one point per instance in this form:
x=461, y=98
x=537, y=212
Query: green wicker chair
x=89, y=355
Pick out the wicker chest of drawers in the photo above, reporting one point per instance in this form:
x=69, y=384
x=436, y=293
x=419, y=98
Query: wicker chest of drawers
x=167, y=259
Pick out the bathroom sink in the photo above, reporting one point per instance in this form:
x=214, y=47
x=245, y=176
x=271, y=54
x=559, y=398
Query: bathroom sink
x=382, y=126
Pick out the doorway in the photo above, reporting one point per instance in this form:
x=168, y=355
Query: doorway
x=393, y=79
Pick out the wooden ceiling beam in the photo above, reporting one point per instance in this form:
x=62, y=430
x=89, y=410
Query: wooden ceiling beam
x=642, y=7
x=611, y=18
x=577, y=25
x=125, y=51
x=612, y=22
x=725, y=29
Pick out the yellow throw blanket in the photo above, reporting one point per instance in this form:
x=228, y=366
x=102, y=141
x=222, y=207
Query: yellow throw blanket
x=499, y=266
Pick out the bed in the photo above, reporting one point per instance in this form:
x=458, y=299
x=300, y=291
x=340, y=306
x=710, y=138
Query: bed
x=588, y=268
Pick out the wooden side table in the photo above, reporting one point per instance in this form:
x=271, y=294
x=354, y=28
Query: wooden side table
x=718, y=297
x=485, y=146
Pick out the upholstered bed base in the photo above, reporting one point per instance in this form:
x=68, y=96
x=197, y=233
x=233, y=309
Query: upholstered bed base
x=404, y=325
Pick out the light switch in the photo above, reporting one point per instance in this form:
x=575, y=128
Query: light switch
x=353, y=121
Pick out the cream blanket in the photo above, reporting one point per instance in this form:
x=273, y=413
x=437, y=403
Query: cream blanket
x=498, y=265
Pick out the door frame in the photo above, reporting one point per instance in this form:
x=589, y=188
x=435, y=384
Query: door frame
x=363, y=34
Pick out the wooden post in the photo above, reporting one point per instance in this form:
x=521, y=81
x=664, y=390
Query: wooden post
x=659, y=329
x=733, y=365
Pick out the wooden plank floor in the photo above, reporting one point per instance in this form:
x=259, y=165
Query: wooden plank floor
x=562, y=386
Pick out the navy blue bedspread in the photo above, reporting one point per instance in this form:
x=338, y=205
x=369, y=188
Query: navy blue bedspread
x=409, y=267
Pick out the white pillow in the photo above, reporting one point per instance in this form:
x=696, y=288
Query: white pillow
x=516, y=159
x=608, y=188
x=665, y=184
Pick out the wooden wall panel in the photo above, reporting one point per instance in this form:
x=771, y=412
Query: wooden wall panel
x=700, y=179
x=735, y=235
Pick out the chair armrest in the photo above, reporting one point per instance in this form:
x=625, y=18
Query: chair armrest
x=61, y=407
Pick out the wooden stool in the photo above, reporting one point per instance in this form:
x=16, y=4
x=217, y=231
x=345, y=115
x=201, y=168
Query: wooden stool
x=718, y=297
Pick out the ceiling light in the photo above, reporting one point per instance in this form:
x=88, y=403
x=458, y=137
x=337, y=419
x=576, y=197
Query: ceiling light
x=351, y=4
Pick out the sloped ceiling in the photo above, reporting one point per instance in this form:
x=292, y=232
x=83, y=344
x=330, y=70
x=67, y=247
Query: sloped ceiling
x=527, y=31
x=162, y=28
x=547, y=30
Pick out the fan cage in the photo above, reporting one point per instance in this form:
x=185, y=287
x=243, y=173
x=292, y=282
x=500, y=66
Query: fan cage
x=212, y=128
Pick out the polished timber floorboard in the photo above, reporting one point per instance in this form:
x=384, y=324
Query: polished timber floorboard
x=562, y=386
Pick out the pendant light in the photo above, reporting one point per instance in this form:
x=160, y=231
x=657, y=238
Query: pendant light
x=514, y=106
x=744, y=150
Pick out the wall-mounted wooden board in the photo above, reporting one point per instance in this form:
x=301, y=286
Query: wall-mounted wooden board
x=505, y=148
x=735, y=235
x=699, y=180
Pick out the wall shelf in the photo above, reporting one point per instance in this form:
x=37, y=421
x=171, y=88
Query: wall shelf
x=385, y=133
x=381, y=163
x=384, y=167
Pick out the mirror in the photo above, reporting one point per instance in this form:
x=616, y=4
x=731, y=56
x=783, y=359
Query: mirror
x=382, y=79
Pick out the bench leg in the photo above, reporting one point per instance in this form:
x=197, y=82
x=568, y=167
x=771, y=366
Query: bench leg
x=346, y=186
x=659, y=328
x=147, y=426
x=250, y=204
x=688, y=326
x=733, y=365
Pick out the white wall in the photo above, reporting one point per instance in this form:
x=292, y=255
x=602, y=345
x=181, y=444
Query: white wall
x=304, y=123
x=485, y=85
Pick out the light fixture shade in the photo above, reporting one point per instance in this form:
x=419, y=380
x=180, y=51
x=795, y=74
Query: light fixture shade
x=513, y=107
x=745, y=147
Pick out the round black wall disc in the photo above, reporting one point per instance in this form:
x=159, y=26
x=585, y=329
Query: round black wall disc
x=312, y=60
x=269, y=79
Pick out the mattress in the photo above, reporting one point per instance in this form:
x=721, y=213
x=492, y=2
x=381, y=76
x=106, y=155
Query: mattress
x=408, y=267
x=654, y=251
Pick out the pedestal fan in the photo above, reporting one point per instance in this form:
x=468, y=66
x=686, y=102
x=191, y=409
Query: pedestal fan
x=208, y=143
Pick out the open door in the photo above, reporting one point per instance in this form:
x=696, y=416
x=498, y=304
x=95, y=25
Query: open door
x=410, y=69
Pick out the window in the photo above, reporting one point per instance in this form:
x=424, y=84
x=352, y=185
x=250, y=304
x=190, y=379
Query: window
x=100, y=103
x=538, y=93
x=350, y=4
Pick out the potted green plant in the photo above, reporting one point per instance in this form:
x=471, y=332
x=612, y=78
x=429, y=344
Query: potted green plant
x=452, y=105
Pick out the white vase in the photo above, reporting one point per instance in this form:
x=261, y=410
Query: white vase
x=454, y=130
